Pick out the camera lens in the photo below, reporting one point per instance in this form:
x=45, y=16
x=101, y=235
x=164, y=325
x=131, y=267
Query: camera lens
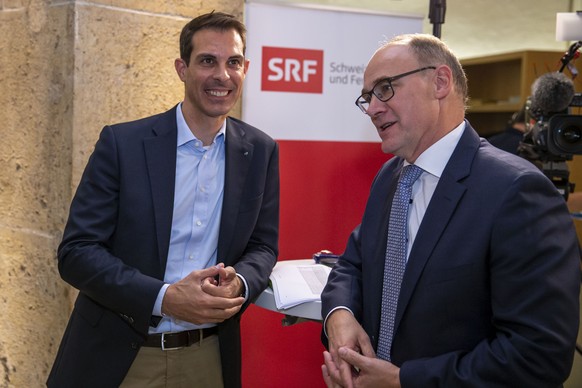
x=571, y=134
x=565, y=135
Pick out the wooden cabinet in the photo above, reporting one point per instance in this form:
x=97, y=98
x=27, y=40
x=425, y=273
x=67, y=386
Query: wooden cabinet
x=500, y=84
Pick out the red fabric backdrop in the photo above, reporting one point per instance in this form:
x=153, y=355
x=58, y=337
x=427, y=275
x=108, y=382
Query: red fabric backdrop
x=324, y=187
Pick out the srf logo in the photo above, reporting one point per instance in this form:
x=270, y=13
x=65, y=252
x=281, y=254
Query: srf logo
x=292, y=70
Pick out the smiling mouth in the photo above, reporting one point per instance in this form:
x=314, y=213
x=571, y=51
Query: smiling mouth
x=218, y=93
x=387, y=125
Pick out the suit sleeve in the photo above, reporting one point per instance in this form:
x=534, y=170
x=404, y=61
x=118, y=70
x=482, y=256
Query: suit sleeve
x=86, y=258
x=344, y=285
x=260, y=252
x=534, y=282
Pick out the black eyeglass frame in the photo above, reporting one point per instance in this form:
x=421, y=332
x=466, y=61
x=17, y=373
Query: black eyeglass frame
x=362, y=100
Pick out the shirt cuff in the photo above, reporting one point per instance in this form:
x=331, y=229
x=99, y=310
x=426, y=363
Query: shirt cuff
x=245, y=293
x=158, y=305
x=328, y=314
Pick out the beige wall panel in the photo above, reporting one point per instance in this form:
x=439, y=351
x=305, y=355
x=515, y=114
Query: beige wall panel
x=36, y=86
x=31, y=305
x=479, y=27
x=36, y=96
x=124, y=70
x=124, y=64
x=10, y=4
x=186, y=8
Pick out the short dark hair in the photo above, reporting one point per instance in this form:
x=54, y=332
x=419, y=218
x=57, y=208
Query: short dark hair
x=214, y=20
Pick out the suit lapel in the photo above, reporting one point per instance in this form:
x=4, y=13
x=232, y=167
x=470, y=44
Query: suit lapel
x=239, y=153
x=446, y=197
x=160, y=152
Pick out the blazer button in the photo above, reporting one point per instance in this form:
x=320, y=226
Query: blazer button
x=134, y=345
x=127, y=318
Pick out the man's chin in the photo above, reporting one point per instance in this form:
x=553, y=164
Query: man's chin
x=387, y=148
x=219, y=111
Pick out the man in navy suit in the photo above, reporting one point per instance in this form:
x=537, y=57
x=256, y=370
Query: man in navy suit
x=173, y=231
x=489, y=295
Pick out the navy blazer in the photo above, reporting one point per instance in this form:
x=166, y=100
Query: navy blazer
x=490, y=293
x=116, y=241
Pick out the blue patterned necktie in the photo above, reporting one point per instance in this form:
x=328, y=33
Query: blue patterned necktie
x=395, y=257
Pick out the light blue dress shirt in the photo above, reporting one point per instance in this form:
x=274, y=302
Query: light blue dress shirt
x=198, y=199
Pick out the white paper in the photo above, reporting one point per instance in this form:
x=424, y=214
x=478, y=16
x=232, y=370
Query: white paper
x=295, y=284
x=347, y=38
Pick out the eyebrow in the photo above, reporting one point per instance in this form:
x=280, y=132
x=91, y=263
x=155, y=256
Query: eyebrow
x=205, y=55
x=374, y=84
x=208, y=55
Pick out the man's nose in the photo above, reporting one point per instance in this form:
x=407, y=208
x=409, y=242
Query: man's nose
x=375, y=106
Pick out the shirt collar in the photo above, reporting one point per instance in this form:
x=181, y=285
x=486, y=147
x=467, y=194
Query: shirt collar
x=185, y=135
x=436, y=157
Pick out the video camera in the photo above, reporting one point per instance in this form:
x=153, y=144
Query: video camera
x=553, y=135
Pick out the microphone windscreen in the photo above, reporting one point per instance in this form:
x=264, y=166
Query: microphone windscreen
x=551, y=93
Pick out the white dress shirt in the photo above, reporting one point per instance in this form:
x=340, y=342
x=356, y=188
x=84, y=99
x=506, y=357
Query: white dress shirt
x=433, y=161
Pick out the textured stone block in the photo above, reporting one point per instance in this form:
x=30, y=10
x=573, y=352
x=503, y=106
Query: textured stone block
x=7, y=5
x=124, y=70
x=32, y=300
x=186, y=8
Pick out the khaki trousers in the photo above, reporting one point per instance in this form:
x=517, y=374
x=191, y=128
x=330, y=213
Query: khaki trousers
x=195, y=366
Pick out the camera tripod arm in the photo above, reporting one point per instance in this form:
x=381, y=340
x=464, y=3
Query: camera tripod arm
x=570, y=54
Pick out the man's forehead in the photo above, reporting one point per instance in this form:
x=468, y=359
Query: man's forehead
x=213, y=36
x=391, y=54
x=387, y=62
x=217, y=43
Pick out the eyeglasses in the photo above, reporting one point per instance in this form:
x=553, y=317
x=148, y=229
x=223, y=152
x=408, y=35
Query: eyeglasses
x=383, y=89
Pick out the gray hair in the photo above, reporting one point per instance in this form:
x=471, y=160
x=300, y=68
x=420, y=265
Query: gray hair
x=431, y=51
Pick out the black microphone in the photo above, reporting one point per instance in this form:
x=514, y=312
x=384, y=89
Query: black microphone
x=436, y=14
x=551, y=93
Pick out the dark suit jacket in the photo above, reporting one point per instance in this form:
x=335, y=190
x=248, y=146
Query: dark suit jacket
x=490, y=293
x=116, y=241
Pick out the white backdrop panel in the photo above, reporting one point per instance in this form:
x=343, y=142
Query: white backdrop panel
x=345, y=40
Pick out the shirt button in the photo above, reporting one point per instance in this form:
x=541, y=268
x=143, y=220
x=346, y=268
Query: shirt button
x=198, y=222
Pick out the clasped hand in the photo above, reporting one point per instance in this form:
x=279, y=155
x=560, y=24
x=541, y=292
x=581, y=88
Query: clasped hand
x=211, y=295
x=351, y=361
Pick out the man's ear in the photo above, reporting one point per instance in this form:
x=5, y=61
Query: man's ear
x=246, y=66
x=443, y=81
x=181, y=67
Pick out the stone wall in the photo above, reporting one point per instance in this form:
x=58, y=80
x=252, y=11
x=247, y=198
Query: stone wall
x=67, y=68
x=36, y=96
